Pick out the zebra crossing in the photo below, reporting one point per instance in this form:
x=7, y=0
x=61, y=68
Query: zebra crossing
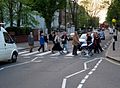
x=47, y=53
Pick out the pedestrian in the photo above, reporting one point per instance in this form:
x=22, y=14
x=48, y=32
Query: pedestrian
x=102, y=34
x=75, y=43
x=42, y=42
x=57, y=46
x=110, y=30
x=89, y=44
x=46, y=42
x=97, y=42
x=50, y=41
x=31, y=41
x=89, y=38
x=64, y=41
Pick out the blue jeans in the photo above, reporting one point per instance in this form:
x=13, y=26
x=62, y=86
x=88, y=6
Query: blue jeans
x=65, y=47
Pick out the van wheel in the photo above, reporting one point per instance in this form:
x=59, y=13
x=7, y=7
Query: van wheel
x=14, y=57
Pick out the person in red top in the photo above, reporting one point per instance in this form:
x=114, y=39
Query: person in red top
x=97, y=41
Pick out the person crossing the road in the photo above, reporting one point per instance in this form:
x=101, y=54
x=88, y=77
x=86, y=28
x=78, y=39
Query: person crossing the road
x=64, y=41
x=97, y=41
x=42, y=42
x=31, y=41
x=75, y=43
x=57, y=46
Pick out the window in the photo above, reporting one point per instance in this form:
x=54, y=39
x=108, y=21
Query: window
x=7, y=38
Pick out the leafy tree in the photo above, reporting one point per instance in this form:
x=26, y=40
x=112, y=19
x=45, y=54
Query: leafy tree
x=83, y=17
x=46, y=8
x=114, y=11
x=1, y=11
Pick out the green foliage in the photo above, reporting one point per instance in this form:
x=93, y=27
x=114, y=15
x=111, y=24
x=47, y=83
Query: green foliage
x=114, y=12
x=25, y=15
x=47, y=8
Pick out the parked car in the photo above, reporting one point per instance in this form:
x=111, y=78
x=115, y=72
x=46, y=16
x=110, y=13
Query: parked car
x=8, y=49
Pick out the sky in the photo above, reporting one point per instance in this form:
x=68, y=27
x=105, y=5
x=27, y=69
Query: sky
x=95, y=5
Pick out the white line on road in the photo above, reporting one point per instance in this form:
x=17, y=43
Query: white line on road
x=83, y=81
x=1, y=69
x=28, y=54
x=80, y=86
x=45, y=53
x=87, y=76
x=64, y=83
x=85, y=64
x=38, y=61
x=17, y=64
x=34, y=59
x=85, y=68
x=70, y=54
x=75, y=73
x=90, y=73
x=55, y=54
x=23, y=52
x=27, y=62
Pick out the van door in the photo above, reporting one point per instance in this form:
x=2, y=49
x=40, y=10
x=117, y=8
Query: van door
x=2, y=48
x=9, y=45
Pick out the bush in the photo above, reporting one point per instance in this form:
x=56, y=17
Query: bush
x=19, y=30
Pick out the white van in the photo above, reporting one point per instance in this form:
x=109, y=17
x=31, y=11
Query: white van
x=8, y=49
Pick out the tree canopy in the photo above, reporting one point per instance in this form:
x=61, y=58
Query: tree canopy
x=114, y=11
x=46, y=8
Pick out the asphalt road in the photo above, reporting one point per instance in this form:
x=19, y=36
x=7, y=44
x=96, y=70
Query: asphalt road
x=60, y=71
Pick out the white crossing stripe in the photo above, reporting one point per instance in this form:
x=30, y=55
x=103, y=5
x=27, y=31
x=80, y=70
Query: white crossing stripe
x=55, y=54
x=70, y=54
x=28, y=54
x=44, y=53
x=23, y=52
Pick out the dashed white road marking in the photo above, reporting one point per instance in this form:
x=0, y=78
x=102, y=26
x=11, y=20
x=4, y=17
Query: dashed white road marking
x=87, y=76
x=83, y=81
x=90, y=73
x=85, y=68
x=80, y=86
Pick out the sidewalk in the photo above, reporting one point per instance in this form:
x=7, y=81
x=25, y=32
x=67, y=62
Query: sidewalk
x=114, y=55
x=22, y=46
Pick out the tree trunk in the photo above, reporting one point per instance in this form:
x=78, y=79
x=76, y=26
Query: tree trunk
x=19, y=15
x=48, y=25
x=11, y=12
x=60, y=18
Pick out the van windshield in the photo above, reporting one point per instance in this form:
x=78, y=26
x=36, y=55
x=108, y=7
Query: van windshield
x=7, y=38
